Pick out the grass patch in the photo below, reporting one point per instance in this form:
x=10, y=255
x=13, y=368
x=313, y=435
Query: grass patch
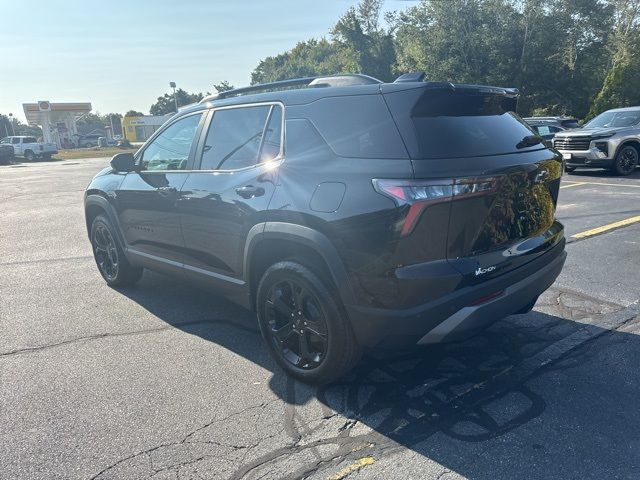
x=77, y=153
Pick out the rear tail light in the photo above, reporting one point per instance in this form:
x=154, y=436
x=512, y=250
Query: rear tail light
x=419, y=194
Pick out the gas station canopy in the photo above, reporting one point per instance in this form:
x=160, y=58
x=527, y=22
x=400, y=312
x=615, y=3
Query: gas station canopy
x=58, y=120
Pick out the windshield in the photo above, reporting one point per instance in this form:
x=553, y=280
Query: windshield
x=615, y=119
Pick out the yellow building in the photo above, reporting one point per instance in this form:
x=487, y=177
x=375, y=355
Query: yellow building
x=139, y=129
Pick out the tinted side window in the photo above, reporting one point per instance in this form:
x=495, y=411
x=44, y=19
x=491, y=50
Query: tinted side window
x=15, y=141
x=170, y=150
x=234, y=138
x=358, y=126
x=272, y=136
x=30, y=140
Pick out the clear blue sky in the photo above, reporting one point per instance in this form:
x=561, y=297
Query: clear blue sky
x=121, y=55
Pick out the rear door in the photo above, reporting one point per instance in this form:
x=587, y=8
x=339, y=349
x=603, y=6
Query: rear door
x=146, y=199
x=503, y=184
x=226, y=195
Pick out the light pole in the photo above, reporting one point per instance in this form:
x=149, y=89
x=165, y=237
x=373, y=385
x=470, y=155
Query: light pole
x=175, y=99
x=13, y=129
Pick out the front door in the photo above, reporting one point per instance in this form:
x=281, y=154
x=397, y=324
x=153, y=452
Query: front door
x=146, y=199
x=237, y=165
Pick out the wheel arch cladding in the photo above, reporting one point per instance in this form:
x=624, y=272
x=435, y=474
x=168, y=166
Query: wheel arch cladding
x=279, y=240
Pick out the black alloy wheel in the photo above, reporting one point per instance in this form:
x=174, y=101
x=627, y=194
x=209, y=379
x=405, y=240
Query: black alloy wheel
x=105, y=252
x=297, y=326
x=110, y=258
x=304, y=324
x=626, y=160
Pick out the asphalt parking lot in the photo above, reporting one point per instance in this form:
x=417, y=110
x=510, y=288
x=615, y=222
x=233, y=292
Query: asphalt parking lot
x=166, y=381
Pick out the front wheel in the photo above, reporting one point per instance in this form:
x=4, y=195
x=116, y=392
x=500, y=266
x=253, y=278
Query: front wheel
x=306, y=331
x=112, y=264
x=569, y=169
x=626, y=160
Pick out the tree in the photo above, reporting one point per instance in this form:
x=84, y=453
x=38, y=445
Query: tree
x=223, y=86
x=5, y=126
x=18, y=127
x=133, y=113
x=357, y=45
x=310, y=58
x=166, y=103
x=621, y=84
x=364, y=45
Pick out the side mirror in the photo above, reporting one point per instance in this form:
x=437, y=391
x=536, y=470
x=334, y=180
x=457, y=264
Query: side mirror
x=123, y=162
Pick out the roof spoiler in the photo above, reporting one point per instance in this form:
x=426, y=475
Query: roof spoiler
x=414, y=77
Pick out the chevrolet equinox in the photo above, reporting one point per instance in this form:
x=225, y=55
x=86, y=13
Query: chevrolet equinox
x=346, y=212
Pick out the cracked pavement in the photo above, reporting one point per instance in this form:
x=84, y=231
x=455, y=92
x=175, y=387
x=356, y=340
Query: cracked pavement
x=166, y=381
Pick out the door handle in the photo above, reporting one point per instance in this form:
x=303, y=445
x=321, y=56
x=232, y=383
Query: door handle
x=249, y=191
x=166, y=191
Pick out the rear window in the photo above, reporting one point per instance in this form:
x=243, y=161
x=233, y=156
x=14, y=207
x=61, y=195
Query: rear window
x=454, y=124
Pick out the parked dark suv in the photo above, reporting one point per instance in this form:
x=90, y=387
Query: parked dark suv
x=348, y=213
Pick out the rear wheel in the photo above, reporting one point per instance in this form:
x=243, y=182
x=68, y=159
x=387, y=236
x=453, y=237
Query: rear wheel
x=306, y=331
x=626, y=160
x=109, y=256
x=46, y=156
x=29, y=155
x=569, y=169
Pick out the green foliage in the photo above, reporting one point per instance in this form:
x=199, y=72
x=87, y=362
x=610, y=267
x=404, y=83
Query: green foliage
x=133, y=113
x=621, y=86
x=561, y=54
x=18, y=127
x=223, y=86
x=166, y=103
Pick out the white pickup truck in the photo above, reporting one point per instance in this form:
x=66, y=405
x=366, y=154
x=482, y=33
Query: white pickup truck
x=30, y=148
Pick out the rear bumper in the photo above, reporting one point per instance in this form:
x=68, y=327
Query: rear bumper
x=455, y=316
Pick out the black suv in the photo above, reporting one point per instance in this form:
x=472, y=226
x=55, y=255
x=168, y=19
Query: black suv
x=347, y=212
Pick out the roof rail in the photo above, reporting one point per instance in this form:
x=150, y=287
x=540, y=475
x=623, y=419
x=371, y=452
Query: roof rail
x=314, y=82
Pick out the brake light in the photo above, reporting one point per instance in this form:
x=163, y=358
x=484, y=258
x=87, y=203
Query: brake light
x=420, y=194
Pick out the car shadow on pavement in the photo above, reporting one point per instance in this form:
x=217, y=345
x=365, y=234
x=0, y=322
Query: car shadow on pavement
x=520, y=400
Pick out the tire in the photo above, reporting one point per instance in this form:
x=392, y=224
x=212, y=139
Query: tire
x=46, y=156
x=569, y=169
x=109, y=256
x=626, y=160
x=29, y=155
x=296, y=308
x=89, y=145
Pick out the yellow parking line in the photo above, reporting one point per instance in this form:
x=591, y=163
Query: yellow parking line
x=354, y=467
x=606, y=228
x=573, y=185
x=613, y=184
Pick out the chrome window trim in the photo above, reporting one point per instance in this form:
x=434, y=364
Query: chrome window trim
x=211, y=111
x=138, y=155
x=277, y=158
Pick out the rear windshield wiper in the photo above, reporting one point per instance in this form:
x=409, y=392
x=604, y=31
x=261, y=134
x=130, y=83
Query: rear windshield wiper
x=530, y=141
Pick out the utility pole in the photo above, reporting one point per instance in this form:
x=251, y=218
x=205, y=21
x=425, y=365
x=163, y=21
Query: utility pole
x=13, y=129
x=175, y=99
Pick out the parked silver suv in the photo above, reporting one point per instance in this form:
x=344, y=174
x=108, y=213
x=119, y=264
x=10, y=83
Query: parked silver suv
x=611, y=140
